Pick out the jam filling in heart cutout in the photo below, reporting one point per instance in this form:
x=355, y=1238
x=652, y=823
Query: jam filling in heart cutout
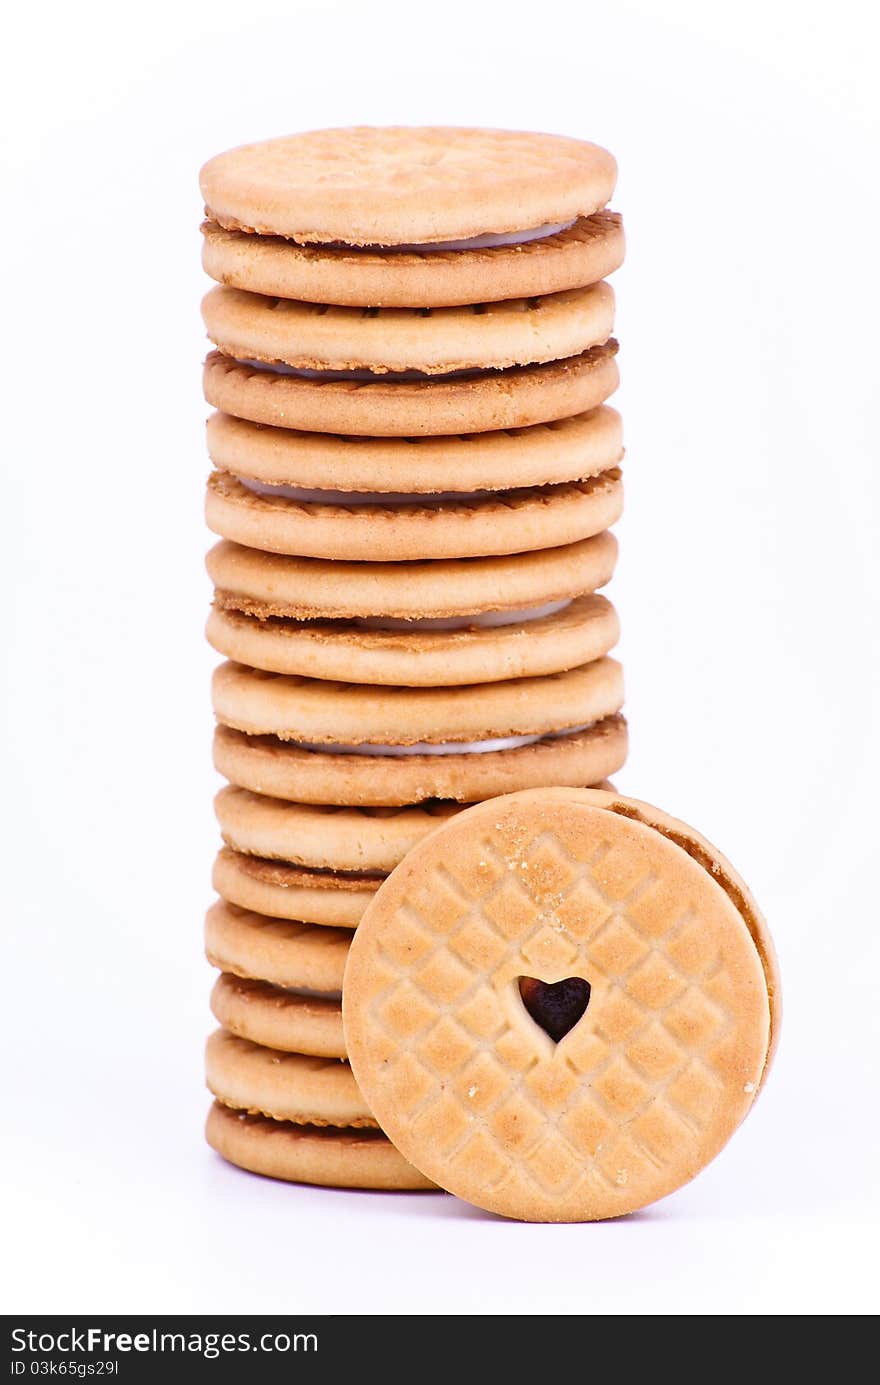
x=555, y=1006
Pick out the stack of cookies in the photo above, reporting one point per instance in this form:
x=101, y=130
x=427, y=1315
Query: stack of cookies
x=416, y=472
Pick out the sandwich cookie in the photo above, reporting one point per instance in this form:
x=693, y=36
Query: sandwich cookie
x=275, y=888
x=316, y=742
x=489, y=648
x=472, y=402
x=340, y=718
x=405, y=185
x=330, y=1157
x=282, y=332
x=549, y=259
x=569, y=449
x=293, y=1021
x=561, y=1005
x=285, y=1086
x=265, y=764
x=333, y=839
x=381, y=527
x=294, y=955
x=388, y=597
x=284, y=891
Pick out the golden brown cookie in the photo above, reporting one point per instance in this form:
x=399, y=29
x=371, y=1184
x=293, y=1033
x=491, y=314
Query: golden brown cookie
x=569, y=449
x=393, y=185
x=267, y=765
x=285, y=1086
x=436, y=341
x=582, y=253
x=287, y=953
x=293, y=1021
x=270, y=584
x=561, y=1005
x=331, y=1157
x=470, y=403
x=456, y=526
x=390, y=721
x=328, y=838
x=284, y=891
x=575, y=633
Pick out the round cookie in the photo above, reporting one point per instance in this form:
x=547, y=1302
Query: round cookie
x=460, y=526
x=397, y=185
x=561, y=1005
x=324, y=1155
x=284, y=891
x=583, y=253
x=436, y=341
x=471, y=403
x=317, y=713
x=287, y=953
x=267, y=765
x=293, y=1021
x=325, y=837
x=285, y=1086
x=583, y=630
x=569, y=449
x=271, y=584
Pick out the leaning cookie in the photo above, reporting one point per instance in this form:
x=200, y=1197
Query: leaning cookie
x=598, y=1005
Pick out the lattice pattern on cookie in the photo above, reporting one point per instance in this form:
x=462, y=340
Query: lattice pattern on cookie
x=632, y=1081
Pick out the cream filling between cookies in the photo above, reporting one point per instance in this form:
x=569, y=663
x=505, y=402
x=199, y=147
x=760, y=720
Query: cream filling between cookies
x=400, y=377
x=307, y=994
x=484, y=619
x=440, y=747
x=491, y=240
x=389, y=500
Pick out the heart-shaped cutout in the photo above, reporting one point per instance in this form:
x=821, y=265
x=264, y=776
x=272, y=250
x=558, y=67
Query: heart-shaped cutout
x=555, y=1006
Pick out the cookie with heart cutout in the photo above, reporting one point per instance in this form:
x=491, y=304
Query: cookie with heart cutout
x=281, y=890
x=289, y=953
x=406, y=185
x=282, y=332
x=353, y=841
x=325, y=1155
x=563, y=257
x=297, y=1087
x=561, y=1005
x=293, y=1021
x=472, y=402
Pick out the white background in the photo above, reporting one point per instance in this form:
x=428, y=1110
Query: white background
x=747, y=140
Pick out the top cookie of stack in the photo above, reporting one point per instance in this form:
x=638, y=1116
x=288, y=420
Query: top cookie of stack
x=416, y=468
